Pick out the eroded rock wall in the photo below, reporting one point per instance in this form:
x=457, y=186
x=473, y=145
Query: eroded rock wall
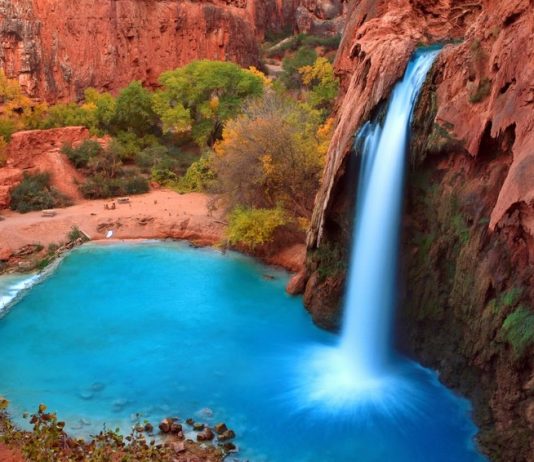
x=57, y=48
x=468, y=253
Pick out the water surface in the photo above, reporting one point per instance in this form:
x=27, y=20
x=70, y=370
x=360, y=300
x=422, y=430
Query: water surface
x=164, y=329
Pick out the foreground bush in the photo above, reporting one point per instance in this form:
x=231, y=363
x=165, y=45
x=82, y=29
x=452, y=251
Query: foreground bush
x=200, y=177
x=48, y=442
x=254, y=227
x=35, y=193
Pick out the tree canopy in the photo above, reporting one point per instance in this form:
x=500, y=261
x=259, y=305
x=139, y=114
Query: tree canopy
x=200, y=97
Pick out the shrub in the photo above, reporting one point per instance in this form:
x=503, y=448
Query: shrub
x=259, y=169
x=7, y=128
x=199, y=177
x=81, y=155
x=519, y=329
x=291, y=77
x=69, y=114
x=100, y=186
x=74, y=234
x=3, y=151
x=254, y=227
x=136, y=184
x=482, y=91
x=35, y=193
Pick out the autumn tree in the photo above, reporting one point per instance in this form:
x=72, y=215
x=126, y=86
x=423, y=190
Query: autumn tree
x=322, y=85
x=200, y=97
x=272, y=155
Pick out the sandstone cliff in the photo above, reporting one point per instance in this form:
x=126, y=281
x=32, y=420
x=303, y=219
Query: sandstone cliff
x=469, y=249
x=57, y=48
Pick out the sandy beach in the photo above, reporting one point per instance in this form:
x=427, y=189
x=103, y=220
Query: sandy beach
x=156, y=215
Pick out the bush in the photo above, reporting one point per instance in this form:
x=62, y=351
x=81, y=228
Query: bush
x=519, y=329
x=199, y=177
x=291, y=77
x=136, y=184
x=81, y=155
x=35, y=193
x=100, y=186
x=481, y=92
x=69, y=114
x=272, y=154
x=254, y=227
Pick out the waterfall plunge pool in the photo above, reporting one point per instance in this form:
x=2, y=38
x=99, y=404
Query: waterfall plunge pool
x=163, y=329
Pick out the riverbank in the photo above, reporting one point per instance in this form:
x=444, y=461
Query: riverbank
x=159, y=214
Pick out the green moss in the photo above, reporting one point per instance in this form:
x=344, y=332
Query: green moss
x=330, y=259
x=518, y=329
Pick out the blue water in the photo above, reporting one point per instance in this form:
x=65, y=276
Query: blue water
x=164, y=329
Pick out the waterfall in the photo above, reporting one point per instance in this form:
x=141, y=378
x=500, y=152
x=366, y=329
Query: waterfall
x=358, y=373
x=372, y=278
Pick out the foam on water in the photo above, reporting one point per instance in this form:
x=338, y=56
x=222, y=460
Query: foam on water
x=14, y=286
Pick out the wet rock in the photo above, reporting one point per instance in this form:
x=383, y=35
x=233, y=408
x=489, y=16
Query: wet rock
x=206, y=435
x=149, y=428
x=176, y=428
x=178, y=447
x=197, y=426
x=190, y=421
x=165, y=425
x=206, y=412
x=97, y=386
x=227, y=435
x=87, y=395
x=220, y=428
x=139, y=428
x=229, y=447
x=297, y=283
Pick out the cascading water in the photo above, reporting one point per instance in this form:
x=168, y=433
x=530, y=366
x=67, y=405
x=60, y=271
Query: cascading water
x=371, y=283
x=360, y=368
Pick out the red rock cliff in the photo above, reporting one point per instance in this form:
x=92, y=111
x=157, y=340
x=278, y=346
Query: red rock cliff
x=56, y=48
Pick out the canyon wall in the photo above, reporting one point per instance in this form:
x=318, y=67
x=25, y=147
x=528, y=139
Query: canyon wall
x=57, y=48
x=468, y=248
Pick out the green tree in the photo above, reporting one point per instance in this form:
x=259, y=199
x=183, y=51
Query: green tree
x=200, y=97
x=133, y=110
x=103, y=105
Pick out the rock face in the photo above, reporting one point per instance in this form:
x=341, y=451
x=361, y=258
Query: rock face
x=40, y=151
x=468, y=252
x=56, y=49
x=321, y=17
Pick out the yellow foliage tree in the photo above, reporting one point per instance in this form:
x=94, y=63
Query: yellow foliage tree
x=273, y=154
